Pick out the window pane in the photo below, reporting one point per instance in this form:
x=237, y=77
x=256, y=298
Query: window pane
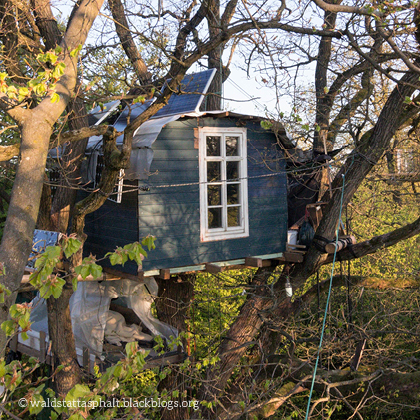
x=213, y=171
x=234, y=216
x=232, y=170
x=213, y=146
x=232, y=146
x=214, y=195
x=215, y=218
x=233, y=193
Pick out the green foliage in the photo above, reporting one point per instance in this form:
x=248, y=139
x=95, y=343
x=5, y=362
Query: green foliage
x=134, y=252
x=89, y=267
x=49, y=70
x=3, y=290
x=378, y=208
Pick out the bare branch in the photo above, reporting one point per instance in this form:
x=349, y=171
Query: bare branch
x=8, y=152
x=336, y=8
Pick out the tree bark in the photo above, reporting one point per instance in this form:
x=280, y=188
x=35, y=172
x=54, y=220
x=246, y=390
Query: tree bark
x=213, y=100
x=173, y=306
x=36, y=129
x=127, y=42
x=240, y=335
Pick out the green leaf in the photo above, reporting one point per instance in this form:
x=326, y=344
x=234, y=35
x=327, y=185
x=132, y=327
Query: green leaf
x=57, y=287
x=76, y=51
x=96, y=271
x=2, y=368
x=76, y=417
x=58, y=70
x=70, y=246
x=52, y=252
x=8, y=327
x=266, y=125
x=140, y=99
x=36, y=404
x=78, y=391
x=55, y=97
x=149, y=241
x=4, y=292
x=131, y=349
x=74, y=282
x=117, y=371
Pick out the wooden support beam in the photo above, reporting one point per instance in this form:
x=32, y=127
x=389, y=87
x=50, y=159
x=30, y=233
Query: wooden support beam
x=164, y=274
x=291, y=257
x=257, y=262
x=213, y=268
x=112, y=274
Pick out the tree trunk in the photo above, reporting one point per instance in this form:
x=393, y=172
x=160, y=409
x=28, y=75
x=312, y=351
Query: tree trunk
x=173, y=305
x=36, y=129
x=16, y=243
x=63, y=348
x=213, y=101
x=240, y=336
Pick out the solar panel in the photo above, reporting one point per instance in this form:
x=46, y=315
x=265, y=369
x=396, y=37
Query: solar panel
x=98, y=114
x=193, y=87
x=192, y=90
x=132, y=111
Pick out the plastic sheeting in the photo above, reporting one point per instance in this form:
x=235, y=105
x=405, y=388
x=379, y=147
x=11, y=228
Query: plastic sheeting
x=89, y=308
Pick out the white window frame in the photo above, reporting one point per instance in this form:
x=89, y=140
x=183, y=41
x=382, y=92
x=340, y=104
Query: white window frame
x=224, y=232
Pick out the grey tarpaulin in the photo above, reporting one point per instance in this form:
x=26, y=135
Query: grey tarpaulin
x=89, y=306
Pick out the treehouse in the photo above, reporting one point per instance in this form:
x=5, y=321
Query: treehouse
x=210, y=186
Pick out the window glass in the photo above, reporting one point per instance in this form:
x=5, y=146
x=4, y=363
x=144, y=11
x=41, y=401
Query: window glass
x=233, y=193
x=213, y=171
x=214, y=195
x=232, y=170
x=213, y=145
x=232, y=146
x=223, y=183
x=215, y=218
x=234, y=216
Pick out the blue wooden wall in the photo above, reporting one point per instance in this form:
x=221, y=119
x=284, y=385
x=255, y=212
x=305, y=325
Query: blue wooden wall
x=172, y=213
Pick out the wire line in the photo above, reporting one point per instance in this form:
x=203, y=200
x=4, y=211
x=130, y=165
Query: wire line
x=327, y=304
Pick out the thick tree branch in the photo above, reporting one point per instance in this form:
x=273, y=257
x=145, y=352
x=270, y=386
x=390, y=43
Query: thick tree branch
x=46, y=23
x=127, y=42
x=323, y=107
x=378, y=242
x=337, y=8
x=8, y=152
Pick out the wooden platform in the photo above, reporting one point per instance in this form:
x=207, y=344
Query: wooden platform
x=293, y=254
x=37, y=346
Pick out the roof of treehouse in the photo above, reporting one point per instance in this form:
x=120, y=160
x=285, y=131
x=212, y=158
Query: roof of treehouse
x=184, y=104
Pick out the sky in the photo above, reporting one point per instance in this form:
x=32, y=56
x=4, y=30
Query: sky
x=241, y=93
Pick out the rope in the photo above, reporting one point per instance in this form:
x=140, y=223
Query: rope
x=327, y=304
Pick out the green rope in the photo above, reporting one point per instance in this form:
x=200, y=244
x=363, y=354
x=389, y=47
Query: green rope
x=328, y=302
